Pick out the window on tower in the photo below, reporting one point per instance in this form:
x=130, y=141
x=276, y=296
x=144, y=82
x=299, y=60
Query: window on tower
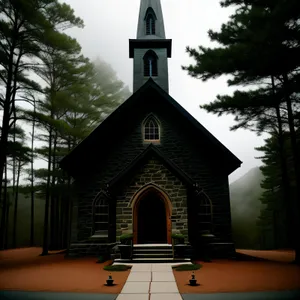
x=150, y=19
x=150, y=64
x=151, y=130
x=150, y=24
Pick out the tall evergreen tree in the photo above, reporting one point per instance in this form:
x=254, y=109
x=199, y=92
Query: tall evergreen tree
x=254, y=44
x=24, y=26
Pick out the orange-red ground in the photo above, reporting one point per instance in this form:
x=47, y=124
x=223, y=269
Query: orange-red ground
x=274, y=255
x=24, y=269
x=221, y=276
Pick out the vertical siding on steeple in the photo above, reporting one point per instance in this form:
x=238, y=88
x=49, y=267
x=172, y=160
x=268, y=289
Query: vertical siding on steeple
x=159, y=24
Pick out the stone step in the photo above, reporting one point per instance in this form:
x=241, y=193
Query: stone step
x=151, y=250
x=152, y=260
x=153, y=255
x=152, y=247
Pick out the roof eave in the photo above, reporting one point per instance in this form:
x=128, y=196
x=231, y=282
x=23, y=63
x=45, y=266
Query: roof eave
x=148, y=44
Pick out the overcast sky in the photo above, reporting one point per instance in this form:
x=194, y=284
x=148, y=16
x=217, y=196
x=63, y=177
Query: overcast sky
x=109, y=24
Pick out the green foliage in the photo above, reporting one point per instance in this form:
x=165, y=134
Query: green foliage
x=246, y=56
x=177, y=236
x=190, y=267
x=126, y=238
x=73, y=95
x=277, y=213
x=252, y=49
x=117, y=268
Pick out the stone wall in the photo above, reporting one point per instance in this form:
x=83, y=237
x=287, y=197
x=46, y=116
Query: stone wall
x=153, y=172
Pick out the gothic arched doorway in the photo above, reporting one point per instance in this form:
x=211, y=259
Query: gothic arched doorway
x=152, y=217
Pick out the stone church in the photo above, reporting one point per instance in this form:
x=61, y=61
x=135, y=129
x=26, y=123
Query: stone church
x=150, y=168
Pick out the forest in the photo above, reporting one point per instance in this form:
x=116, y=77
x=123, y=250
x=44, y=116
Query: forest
x=52, y=97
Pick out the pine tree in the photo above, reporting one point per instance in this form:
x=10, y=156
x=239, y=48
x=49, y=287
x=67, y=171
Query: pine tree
x=255, y=43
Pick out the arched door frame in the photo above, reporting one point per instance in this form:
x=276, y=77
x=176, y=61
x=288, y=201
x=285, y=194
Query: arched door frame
x=139, y=195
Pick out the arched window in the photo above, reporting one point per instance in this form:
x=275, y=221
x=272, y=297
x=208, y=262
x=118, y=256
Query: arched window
x=150, y=23
x=151, y=130
x=100, y=213
x=204, y=213
x=150, y=64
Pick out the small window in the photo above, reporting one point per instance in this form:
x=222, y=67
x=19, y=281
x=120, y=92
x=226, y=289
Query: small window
x=150, y=24
x=150, y=64
x=151, y=130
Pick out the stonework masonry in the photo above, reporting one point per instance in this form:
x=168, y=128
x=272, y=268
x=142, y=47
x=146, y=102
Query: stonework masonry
x=156, y=173
x=177, y=145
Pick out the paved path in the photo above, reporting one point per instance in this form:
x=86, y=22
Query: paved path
x=150, y=282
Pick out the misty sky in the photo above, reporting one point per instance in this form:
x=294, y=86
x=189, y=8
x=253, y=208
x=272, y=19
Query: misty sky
x=109, y=24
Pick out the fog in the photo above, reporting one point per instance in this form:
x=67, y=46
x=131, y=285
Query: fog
x=109, y=24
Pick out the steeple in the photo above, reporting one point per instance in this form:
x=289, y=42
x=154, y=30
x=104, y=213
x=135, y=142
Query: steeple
x=150, y=50
x=150, y=11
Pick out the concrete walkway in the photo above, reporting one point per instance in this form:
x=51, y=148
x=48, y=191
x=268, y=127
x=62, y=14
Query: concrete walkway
x=150, y=282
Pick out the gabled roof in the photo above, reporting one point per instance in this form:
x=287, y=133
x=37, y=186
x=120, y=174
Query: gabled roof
x=103, y=131
x=150, y=151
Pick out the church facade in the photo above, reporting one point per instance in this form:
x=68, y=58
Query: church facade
x=149, y=168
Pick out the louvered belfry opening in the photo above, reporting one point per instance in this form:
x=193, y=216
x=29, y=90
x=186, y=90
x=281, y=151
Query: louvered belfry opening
x=150, y=24
x=150, y=64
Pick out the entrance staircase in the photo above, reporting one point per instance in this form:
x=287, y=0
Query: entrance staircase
x=152, y=253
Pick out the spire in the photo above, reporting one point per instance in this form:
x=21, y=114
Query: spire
x=150, y=50
x=151, y=9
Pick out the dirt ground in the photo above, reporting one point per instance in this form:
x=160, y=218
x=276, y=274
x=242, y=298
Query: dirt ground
x=274, y=255
x=244, y=276
x=23, y=269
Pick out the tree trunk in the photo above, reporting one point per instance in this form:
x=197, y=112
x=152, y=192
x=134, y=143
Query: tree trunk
x=7, y=106
x=69, y=205
x=16, y=196
x=6, y=243
x=284, y=171
x=32, y=180
x=46, y=217
x=3, y=153
x=56, y=224
x=295, y=155
x=53, y=211
x=70, y=213
x=4, y=206
x=6, y=196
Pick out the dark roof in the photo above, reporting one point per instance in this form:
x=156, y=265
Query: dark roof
x=104, y=129
x=151, y=151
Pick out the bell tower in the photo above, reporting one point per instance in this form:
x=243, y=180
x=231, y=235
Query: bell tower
x=150, y=50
